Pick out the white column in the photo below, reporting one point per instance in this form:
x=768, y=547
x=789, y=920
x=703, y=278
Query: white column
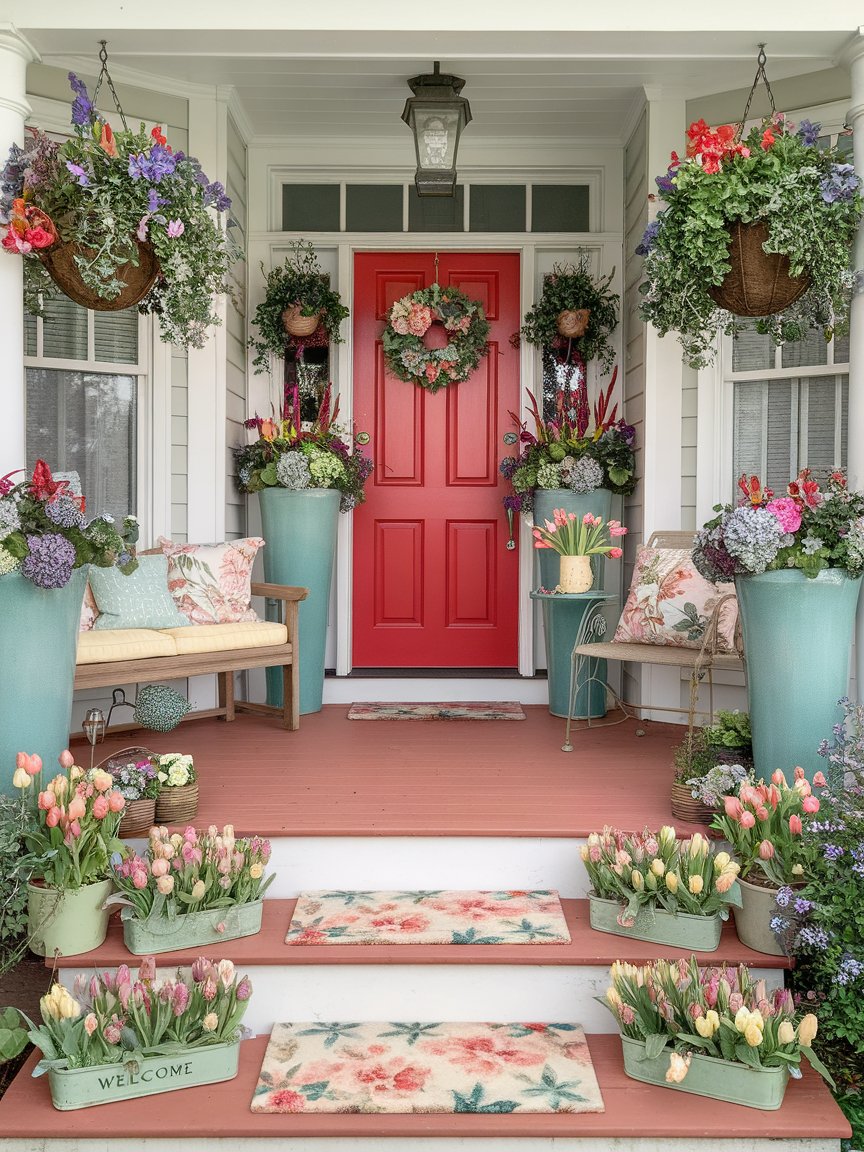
x=664, y=377
x=854, y=58
x=15, y=54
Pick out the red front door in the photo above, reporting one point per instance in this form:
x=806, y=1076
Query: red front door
x=434, y=583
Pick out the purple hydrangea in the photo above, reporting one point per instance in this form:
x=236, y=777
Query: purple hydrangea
x=216, y=197
x=155, y=201
x=849, y=970
x=49, y=561
x=82, y=106
x=650, y=234
x=841, y=184
x=665, y=183
x=513, y=503
x=64, y=512
x=153, y=166
x=808, y=133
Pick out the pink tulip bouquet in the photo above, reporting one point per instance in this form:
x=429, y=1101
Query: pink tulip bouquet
x=656, y=870
x=113, y=1018
x=73, y=832
x=719, y=1012
x=192, y=872
x=764, y=825
x=572, y=535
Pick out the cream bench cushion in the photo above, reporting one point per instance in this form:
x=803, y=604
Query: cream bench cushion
x=226, y=637
x=115, y=644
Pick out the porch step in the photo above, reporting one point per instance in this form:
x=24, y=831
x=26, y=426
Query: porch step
x=441, y=981
x=638, y=1118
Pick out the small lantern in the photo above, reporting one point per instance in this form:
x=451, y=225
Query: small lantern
x=436, y=114
x=94, y=729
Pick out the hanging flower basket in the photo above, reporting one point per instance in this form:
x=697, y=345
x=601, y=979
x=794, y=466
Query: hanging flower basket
x=296, y=324
x=573, y=322
x=59, y=262
x=759, y=283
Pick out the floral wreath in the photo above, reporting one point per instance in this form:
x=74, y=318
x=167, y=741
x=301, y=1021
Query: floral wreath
x=407, y=356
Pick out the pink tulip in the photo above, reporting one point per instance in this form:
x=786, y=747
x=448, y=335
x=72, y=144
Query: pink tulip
x=116, y=802
x=74, y=829
x=244, y=989
x=766, y=850
x=147, y=969
x=800, y=774
x=100, y=808
x=810, y=804
x=773, y=796
x=53, y=817
x=616, y=553
x=34, y=765
x=47, y=800
x=820, y=781
x=733, y=807
x=21, y=760
x=778, y=778
x=160, y=867
x=761, y=812
x=66, y=759
x=139, y=879
x=747, y=819
x=795, y=825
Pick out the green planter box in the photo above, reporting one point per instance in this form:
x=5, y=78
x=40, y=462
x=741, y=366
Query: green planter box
x=161, y=934
x=707, y=1076
x=187, y=1067
x=694, y=933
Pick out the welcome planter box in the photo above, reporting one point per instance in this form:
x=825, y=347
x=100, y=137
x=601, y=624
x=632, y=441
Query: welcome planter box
x=709, y=1076
x=85, y=1087
x=694, y=933
x=170, y=934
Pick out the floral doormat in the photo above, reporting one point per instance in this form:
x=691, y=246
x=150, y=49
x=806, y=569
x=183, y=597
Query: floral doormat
x=428, y=917
x=455, y=710
x=405, y=1068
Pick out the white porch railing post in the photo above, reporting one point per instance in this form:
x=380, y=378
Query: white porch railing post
x=15, y=54
x=854, y=59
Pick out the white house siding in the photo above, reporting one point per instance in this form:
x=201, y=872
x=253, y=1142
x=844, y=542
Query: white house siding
x=635, y=220
x=235, y=413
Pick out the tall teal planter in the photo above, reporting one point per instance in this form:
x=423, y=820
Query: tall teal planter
x=38, y=642
x=797, y=641
x=546, y=500
x=300, y=530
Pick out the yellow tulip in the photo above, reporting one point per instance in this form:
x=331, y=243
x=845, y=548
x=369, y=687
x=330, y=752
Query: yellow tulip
x=583, y=852
x=21, y=779
x=658, y=867
x=721, y=860
x=672, y=882
x=198, y=890
x=698, y=845
x=695, y=885
x=70, y=1009
x=797, y=869
x=705, y=1027
x=651, y=881
x=666, y=835
x=742, y=1019
x=256, y=870
x=753, y=1035
x=786, y=1033
x=807, y=1030
x=612, y=997
x=636, y=880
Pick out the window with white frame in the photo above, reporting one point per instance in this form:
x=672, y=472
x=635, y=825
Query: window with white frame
x=85, y=376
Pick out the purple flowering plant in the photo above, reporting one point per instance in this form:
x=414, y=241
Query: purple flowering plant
x=45, y=533
x=107, y=193
x=791, y=179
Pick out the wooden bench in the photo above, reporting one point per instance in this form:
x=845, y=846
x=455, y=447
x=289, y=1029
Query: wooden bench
x=223, y=663
x=701, y=661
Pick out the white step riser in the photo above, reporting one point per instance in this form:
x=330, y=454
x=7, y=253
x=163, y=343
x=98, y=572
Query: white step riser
x=422, y=1144
x=428, y=992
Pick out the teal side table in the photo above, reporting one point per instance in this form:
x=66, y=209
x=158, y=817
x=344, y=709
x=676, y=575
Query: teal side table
x=570, y=620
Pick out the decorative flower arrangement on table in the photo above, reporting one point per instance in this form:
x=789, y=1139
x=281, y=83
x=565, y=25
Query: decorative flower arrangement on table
x=299, y=282
x=286, y=455
x=45, y=534
x=808, y=197
x=136, y=1022
x=113, y=194
x=657, y=870
x=192, y=889
x=573, y=535
x=560, y=453
x=810, y=527
x=764, y=824
x=571, y=288
x=466, y=333
x=77, y=814
x=721, y=1013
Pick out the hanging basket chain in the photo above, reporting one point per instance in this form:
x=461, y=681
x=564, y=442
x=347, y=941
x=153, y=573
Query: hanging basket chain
x=761, y=61
x=106, y=76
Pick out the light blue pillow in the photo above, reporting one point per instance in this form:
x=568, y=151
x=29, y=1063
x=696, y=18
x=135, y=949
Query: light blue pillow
x=141, y=600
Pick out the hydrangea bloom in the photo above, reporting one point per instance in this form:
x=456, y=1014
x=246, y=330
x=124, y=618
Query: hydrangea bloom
x=8, y=562
x=549, y=475
x=325, y=468
x=64, y=512
x=753, y=536
x=292, y=471
x=10, y=521
x=586, y=475
x=49, y=560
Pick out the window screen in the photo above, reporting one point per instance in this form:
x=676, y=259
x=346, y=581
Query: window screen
x=559, y=208
x=310, y=207
x=436, y=213
x=497, y=208
x=373, y=207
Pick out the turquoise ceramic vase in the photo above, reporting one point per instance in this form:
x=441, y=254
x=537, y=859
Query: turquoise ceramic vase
x=300, y=530
x=546, y=500
x=797, y=640
x=38, y=643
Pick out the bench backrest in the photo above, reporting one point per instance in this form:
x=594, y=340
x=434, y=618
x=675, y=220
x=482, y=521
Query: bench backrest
x=670, y=540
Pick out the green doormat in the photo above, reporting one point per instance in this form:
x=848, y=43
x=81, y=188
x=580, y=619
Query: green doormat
x=440, y=1068
x=455, y=710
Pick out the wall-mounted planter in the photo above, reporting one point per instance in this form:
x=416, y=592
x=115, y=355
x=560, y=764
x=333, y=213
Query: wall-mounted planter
x=693, y=933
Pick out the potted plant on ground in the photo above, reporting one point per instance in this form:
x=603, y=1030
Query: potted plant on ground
x=46, y=544
x=778, y=205
x=652, y=886
x=297, y=299
x=137, y=780
x=115, y=219
x=127, y=1035
x=795, y=559
x=713, y=1032
x=764, y=825
x=304, y=477
x=177, y=799
x=692, y=761
x=730, y=740
x=69, y=847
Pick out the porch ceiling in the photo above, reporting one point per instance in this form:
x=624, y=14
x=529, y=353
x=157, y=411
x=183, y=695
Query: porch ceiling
x=528, y=85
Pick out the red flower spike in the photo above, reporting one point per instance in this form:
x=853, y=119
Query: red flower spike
x=754, y=494
x=6, y=484
x=43, y=485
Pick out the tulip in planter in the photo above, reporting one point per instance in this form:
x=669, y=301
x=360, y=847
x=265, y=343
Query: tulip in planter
x=192, y=889
x=119, y=1037
x=652, y=886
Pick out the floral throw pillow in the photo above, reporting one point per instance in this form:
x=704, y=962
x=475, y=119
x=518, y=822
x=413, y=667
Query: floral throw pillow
x=212, y=583
x=670, y=603
x=89, y=610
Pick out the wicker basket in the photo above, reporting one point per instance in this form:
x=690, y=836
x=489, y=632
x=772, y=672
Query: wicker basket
x=297, y=325
x=177, y=805
x=138, y=818
x=758, y=283
x=686, y=807
x=572, y=323
x=59, y=262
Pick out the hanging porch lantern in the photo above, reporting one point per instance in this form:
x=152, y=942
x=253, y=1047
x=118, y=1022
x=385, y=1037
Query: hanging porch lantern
x=436, y=114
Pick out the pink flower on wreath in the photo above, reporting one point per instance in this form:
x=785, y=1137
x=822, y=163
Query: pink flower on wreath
x=432, y=373
x=787, y=512
x=419, y=319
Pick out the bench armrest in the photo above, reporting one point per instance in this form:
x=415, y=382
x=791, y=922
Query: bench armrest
x=279, y=591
